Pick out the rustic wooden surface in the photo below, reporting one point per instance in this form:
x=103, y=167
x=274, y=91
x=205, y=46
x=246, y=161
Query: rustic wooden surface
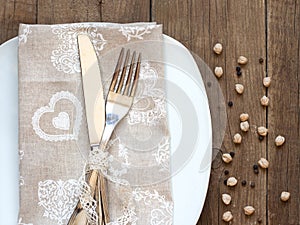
x=266, y=29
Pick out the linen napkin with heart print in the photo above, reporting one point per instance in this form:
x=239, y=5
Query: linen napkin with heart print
x=53, y=135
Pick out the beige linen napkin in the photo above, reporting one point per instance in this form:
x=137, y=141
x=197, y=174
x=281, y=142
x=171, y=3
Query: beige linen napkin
x=53, y=136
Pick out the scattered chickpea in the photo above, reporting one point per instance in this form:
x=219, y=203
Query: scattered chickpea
x=242, y=60
x=279, y=140
x=244, y=117
x=218, y=71
x=263, y=163
x=267, y=81
x=244, y=126
x=264, y=101
x=226, y=157
x=232, y=181
x=262, y=131
x=218, y=48
x=249, y=210
x=285, y=196
x=239, y=88
x=237, y=138
x=226, y=198
x=227, y=216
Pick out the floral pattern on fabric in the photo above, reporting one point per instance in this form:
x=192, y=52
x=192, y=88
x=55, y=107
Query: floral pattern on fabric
x=66, y=58
x=58, y=198
x=135, y=32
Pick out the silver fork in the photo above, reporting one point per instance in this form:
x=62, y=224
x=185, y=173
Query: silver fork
x=118, y=103
x=121, y=92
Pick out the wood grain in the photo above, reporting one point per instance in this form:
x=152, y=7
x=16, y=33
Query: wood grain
x=174, y=15
x=199, y=25
x=283, y=113
x=13, y=12
x=255, y=28
x=121, y=11
x=58, y=11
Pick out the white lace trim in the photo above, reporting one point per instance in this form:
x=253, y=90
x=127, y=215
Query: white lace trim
x=88, y=203
x=102, y=161
x=50, y=108
x=58, y=198
x=128, y=218
x=66, y=58
x=136, y=32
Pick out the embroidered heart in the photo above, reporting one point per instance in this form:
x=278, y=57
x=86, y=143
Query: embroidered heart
x=58, y=198
x=62, y=121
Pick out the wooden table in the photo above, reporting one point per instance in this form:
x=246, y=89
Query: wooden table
x=267, y=29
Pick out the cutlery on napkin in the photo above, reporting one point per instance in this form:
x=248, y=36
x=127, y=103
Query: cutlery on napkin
x=53, y=140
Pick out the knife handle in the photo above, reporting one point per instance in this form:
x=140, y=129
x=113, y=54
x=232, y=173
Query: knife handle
x=79, y=216
x=104, y=201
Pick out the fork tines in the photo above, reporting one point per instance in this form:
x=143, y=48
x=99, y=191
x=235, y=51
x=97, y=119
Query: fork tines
x=126, y=75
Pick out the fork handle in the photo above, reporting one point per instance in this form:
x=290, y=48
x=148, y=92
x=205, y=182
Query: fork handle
x=79, y=216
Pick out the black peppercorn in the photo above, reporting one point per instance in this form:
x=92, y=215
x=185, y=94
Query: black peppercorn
x=239, y=73
x=260, y=137
x=226, y=172
x=252, y=184
x=232, y=154
x=256, y=171
x=244, y=182
x=238, y=68
x=255, y=167
x=230, y=103
x=261, y=60
x=225, y=181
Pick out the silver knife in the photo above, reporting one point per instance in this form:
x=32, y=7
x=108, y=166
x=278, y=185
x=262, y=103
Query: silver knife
x=93, y=90
x=95, y=115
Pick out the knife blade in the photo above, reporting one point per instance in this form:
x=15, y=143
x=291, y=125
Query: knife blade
x=92, y=88
x=95, y=115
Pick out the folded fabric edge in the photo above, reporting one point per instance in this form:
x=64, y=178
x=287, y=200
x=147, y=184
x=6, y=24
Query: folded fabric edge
x=108, y=24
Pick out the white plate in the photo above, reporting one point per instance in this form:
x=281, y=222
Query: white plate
x=187, y=111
